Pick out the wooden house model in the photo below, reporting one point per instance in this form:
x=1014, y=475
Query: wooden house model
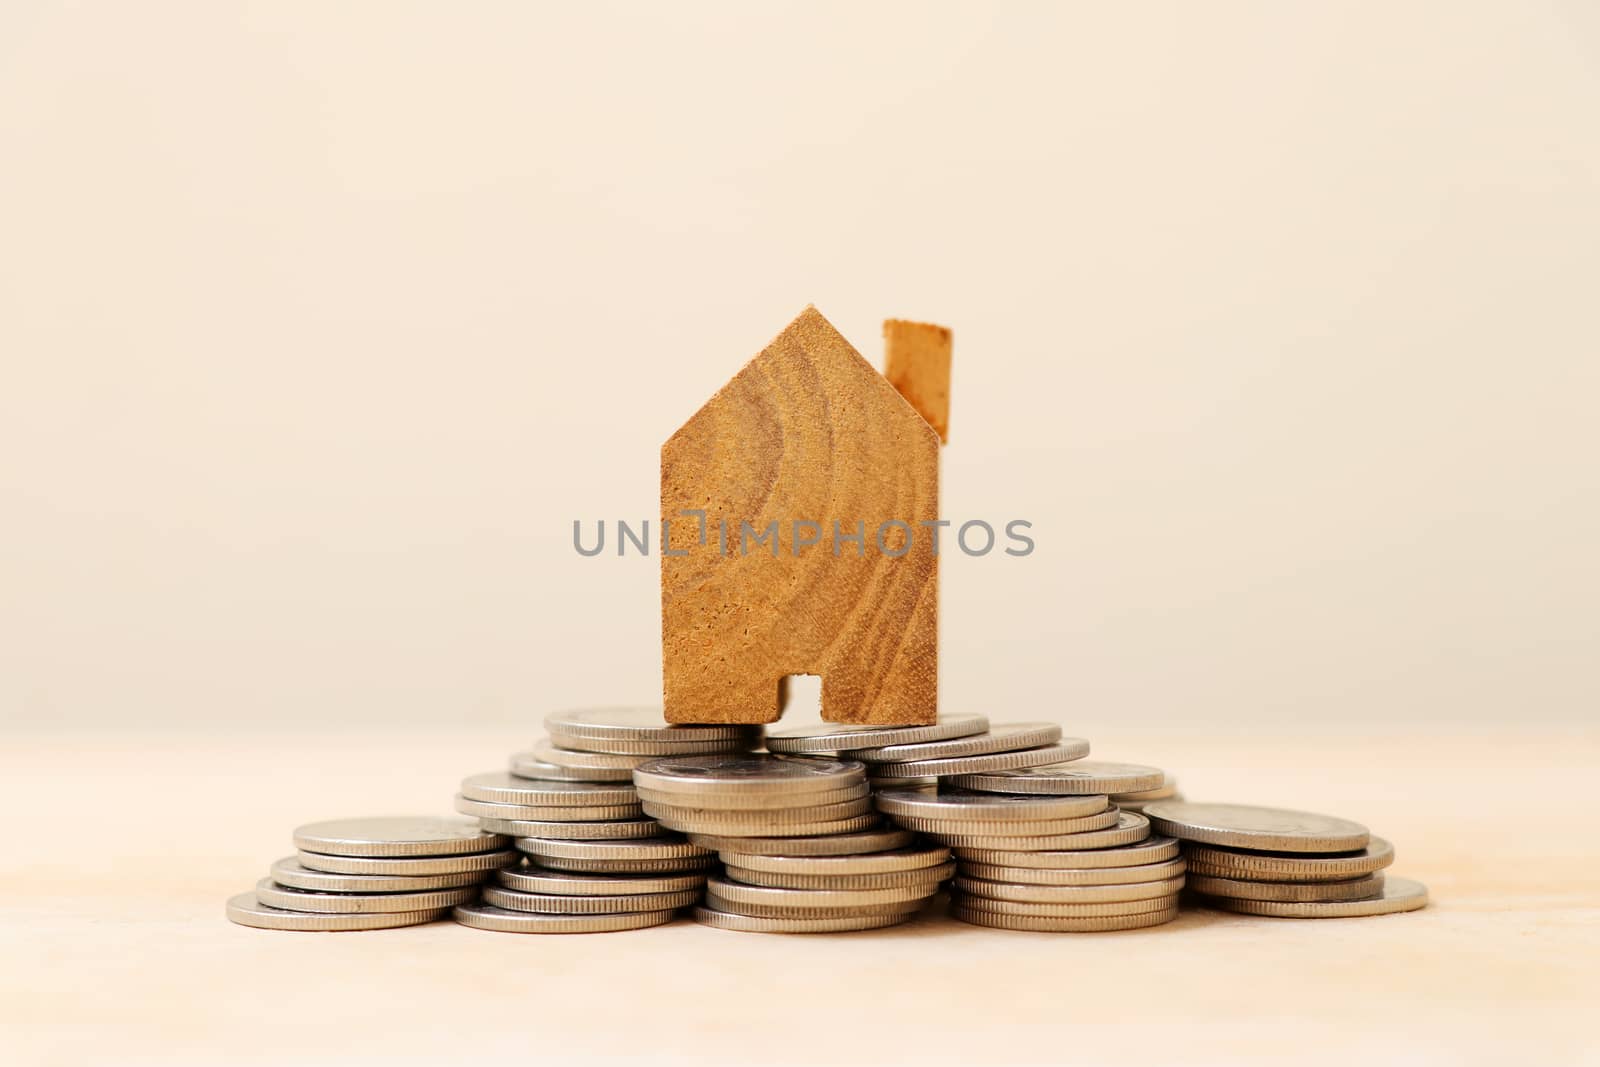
x=797, y=506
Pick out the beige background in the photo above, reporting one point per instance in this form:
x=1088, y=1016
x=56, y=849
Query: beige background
x=322, y=322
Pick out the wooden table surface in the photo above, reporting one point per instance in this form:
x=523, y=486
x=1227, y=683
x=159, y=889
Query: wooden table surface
x=120, y=851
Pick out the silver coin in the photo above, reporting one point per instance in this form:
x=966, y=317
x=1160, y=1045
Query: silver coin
x=984, y=807
x=800, y=910
x=741, y=895
x=920, y=876
x=876, y=840
x=642, y=724
x=1066, y=894
x=1147, y=872
x=1397, y=894
x=1167, y=790
x=1050, y=924
x=756, y=802
x=1145, y=850
x=766, y=911
x=1249, y=826
x=245, y=910
x=623, y=746
x=845, y=809
x=484, y=809
x=1072, y=779
x=909, y=858
x=994, y=761
x=573, y=759
x=408, y=866
x=567, y=904
x=743, y=773
x=586, y=865
x=1005, y=737
x=396, y=835
x=288, y=898
x=1130, y=827
x=530, y=766
x=499, y=787
x=1287, y=867
x=1066, y=911
x=1241, y=889
x=785, y=829
x=753, y=924
x=834, y=737
x=644, y=848
x=965, y=828
x=566, y=883
x=289, y=872
x=574, y=831
x=1133, y=803
x=503, y=920
x=895, y=781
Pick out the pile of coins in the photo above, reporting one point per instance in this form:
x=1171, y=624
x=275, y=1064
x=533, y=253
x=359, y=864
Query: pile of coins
x=919, y=755
x=606, y=744
x=1039, y=844
x=591, y=887
x=596, y=859
x=1044, y=849
x=619, y=822
x=802, y=850
x=1290, y=864
x=882, y=881
x=373, y=874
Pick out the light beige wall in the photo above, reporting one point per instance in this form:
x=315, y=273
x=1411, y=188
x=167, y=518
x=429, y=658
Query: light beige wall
x=321, y=322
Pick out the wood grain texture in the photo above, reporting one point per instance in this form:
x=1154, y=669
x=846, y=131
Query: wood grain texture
x=806, y=433
x=118, y=953
x=917, y=363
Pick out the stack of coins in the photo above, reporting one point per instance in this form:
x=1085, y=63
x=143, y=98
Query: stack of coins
x=590, y=887
x=597, y=861
x=1289, y=864
x=776, y=820
x=1043, y=848
x=577, y=785
x=954, y=744
x=372, y=874
x=606, y=744
x=830, y=739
